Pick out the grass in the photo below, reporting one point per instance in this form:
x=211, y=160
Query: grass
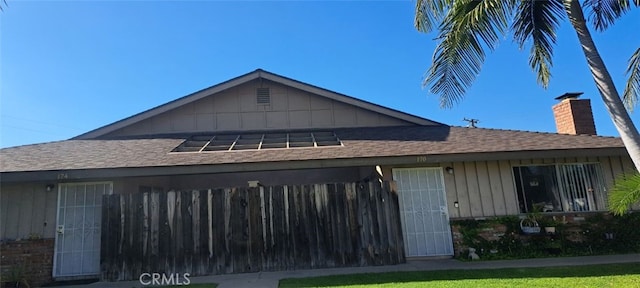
x=609, y=275
x=200, y=285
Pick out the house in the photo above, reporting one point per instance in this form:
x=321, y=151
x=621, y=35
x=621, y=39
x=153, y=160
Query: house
x=263, y=172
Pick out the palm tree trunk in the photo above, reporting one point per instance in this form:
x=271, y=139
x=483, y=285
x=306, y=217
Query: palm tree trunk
x=607, y=89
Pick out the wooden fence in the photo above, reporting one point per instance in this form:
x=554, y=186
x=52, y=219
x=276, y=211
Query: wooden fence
x=236, y=230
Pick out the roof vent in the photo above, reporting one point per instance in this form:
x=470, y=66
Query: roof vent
x=263, y=96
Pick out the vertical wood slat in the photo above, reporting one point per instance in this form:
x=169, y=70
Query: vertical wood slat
x=396, y=241
x=484, y=186
x=336, y=224
x=237, y=243
x=281, y=243
x=146, y=231
x=187, y=231
x=460, y=181
x=38, y=216
x=627, y=165
x=227, y=232
x=4, y=209
x=138, y=233
x=237, y=230
x=205, y=233
x=267, y=229
x=497, y=191
x=382, y=225
x=25, y=205
x=321, y=228
x=195, y=228
x=339, y=224
x=328, y=229
x=129, y=233
x=365, y=223
x=473, y=190
x=13, y=212
x=508, y=185
x=154, y=233
x=296, y=227
x=164, y=233
x=311, y=228
x=51, y=209
x=374, y=228
x=219, y=230
x=289, y=221
x=255, y=229
x=354, y=234
x=451, y=190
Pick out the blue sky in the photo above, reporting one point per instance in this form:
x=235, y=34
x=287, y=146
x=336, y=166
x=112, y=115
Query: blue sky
x=73, y=66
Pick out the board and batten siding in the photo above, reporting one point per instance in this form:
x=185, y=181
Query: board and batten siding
x=27, y=210
x=236, y=109
x=487, y=188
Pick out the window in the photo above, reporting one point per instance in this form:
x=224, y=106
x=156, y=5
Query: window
x=562, y=187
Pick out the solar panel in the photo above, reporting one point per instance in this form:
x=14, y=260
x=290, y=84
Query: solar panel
x=258, y=141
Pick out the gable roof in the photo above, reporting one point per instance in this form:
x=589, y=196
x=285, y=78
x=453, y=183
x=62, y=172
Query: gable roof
x=437, y=143
x=257, y=74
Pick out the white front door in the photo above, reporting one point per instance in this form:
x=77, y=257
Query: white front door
x=77, y=250
x=423, y=212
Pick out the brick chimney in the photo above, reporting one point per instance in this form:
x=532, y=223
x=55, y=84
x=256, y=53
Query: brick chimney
x=573, y=115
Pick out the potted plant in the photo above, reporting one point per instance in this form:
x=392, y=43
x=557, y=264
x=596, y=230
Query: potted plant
x=549, y=224
x=529, y=224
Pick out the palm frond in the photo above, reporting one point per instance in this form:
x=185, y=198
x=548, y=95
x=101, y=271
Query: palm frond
x=538, y=21
x=429, y=13
x=468, y=28
x=603, y=13
x=624, y=193
x=632, y=89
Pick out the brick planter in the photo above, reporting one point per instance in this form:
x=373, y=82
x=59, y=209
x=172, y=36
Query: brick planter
x=34, y=256
x=575, y=234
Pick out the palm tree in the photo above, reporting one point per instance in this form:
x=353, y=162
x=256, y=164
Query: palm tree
x=624, y=194
x=469, y=27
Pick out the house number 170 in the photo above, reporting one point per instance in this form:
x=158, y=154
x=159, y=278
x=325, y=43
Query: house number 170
x=421, y=159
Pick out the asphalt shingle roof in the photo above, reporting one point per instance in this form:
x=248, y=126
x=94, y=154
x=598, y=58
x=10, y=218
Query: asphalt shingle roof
x=358, y=143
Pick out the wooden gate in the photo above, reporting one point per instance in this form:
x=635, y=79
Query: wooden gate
x=236, y=230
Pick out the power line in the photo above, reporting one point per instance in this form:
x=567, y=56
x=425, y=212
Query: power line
x=38, y=121
x=29, y=129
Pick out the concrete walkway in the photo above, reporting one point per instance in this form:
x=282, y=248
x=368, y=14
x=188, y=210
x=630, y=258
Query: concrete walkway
x=271, y=279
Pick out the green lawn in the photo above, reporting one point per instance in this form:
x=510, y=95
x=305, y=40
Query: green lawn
x=610, y=275
x=208, y=285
